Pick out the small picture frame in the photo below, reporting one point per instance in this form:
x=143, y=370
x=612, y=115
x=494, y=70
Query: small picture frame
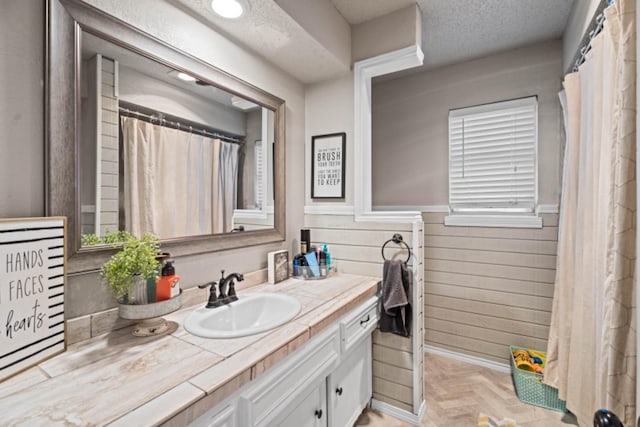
x=328, y=166
x=277, y=266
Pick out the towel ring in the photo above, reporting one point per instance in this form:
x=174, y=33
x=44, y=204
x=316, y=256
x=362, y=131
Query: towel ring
x=397, y=238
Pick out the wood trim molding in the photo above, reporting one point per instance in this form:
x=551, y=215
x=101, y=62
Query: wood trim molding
x=363, y=72
x=420, y=208
x=548, y=209
x=417, y=235
x=542, y=209
x=398, y=413
x=502, y=367
x=336, y=209
x=508, y=221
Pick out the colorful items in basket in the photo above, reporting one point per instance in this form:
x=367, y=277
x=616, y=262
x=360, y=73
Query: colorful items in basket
x=530, y=360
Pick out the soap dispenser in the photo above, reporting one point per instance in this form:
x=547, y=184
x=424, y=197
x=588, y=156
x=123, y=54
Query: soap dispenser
x=169, y=282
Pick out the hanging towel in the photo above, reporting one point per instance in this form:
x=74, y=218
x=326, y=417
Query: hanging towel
x=395, y=304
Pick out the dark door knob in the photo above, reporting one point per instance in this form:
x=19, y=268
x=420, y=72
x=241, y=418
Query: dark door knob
x=339, y=391
x=318, y=413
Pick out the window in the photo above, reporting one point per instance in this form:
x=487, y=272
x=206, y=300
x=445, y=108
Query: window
x=493, y=165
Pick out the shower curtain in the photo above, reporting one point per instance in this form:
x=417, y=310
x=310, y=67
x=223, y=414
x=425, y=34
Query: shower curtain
x=592, y=339
x=177, y=183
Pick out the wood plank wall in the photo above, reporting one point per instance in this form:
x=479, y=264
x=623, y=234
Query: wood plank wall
x=356, y=248
x=488, y=288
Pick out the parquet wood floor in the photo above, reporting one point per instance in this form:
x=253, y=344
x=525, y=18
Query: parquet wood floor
x=457, y=392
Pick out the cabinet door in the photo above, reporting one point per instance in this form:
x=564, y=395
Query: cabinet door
x=349, y=386
x=221, y=418
x=310, y=412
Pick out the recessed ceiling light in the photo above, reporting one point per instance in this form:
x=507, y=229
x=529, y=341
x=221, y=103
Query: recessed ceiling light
x=186, y=77
x=230, y=9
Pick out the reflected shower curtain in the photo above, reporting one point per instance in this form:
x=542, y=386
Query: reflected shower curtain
x=592, y=338
x=177, y=183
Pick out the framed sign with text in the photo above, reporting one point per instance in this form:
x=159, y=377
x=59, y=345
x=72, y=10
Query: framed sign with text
x=328, y=166
x=32, y=285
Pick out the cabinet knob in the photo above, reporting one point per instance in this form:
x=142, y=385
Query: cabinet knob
x=339, y=391
x=318, y=413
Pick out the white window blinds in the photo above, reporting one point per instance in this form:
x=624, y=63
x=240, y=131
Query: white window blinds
x=492, y=157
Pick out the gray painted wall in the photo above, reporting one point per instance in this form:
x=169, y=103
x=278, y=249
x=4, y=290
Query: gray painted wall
x=410, y=127
x=21, y=108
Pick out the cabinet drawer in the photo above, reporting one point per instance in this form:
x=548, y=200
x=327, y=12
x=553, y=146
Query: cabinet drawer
x=277, y=389
x=359, y=324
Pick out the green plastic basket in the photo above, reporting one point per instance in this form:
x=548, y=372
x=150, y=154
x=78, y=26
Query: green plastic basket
x=530, y=388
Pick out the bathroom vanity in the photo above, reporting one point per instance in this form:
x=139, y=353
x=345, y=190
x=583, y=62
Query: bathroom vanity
x=326, y=382
x=313, y=370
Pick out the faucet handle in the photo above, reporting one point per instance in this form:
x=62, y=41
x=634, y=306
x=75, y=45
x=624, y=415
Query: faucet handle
x=213, y=299
x=206, y=285
x=232, y=292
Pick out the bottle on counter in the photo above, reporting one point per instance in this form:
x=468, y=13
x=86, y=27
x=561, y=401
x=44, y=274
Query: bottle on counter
x=325, y=249
x=305, y=241
x=296, y=266
x=152, y=284
x=169, y=283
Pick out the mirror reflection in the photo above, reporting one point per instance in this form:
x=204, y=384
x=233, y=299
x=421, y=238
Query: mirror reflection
x=163, y=152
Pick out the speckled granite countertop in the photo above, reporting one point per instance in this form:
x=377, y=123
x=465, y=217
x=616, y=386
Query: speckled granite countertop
x=120, y=379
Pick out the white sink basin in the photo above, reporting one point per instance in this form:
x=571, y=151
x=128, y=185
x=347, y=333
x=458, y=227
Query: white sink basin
x=251, y=314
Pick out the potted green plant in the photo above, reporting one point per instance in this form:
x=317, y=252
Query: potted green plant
x=134, y=263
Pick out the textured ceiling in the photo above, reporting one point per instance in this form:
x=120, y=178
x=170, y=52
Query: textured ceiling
x=453, y=30
x=269, y=31
x=458, y=30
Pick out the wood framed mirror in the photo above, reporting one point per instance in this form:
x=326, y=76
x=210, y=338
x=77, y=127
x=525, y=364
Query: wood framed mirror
x=96, y=67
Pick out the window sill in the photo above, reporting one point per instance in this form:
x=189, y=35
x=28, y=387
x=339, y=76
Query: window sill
x=507, y=221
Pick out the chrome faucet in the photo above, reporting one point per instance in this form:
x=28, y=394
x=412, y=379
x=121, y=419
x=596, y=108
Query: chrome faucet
x=229, y=282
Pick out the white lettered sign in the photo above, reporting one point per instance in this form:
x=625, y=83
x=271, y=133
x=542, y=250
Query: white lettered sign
x=32, y=279
x=328, y=166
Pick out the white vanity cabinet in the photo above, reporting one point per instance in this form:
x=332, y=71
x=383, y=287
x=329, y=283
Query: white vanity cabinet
x=325, y=383
x=280, y=389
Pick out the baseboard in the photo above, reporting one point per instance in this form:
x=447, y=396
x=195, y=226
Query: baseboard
x=398, y=413
x=423, y=409
x=502, y=367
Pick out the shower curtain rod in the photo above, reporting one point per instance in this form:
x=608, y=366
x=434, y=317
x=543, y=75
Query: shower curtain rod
x=596, y=26
x=177, y=125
